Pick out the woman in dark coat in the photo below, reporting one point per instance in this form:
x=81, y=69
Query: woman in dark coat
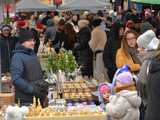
x=59, y=37
x=7, y=45
x=70, y=38
x=111, y=47
x=82, y=49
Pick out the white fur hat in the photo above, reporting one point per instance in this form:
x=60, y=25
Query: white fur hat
x=83, y=23
x=148, y=41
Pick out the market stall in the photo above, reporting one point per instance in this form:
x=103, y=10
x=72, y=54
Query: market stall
x=32, y=5
x=69, y=98
x=92, y=5
x=154, y=2
x=87, y=117
x=7, y=91
x=63, y=111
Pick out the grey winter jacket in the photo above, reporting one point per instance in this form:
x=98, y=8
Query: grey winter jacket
x=146, y=57
x=153, y=91
x=143, y=75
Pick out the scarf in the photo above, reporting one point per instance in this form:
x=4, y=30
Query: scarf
x=135, y=55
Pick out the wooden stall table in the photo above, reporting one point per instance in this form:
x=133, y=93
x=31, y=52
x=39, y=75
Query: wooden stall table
x=76, y=117
x=6, y=99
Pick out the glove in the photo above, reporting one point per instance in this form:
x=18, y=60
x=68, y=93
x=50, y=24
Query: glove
x=42, y=85
x=38, y=92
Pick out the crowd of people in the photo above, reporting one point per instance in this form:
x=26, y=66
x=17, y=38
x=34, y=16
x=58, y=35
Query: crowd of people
x=101, y=44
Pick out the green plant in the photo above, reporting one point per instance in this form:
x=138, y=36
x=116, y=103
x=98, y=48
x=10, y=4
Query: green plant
x=64, y=61
x=6, y=20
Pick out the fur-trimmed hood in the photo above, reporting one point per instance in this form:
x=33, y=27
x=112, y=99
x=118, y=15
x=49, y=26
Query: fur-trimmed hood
x=83, y=23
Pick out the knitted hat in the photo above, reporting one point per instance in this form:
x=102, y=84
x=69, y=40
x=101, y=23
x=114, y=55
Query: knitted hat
x=6, y=27
x=86, y=13
x=83, y=23
x=100, y=13
x=129, y=24
x=124, y=76
x=25, y=35
x=40, y=26
x=148, y=40
x=96, y=22
x=21, y=24
x=145, y=26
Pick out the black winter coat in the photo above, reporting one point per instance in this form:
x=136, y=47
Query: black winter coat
x=109, y=54
x=50, y=34
x=153, y=87
x=59, y=38
x=83, y=52
x=7, y=45
x=67, y=44
x=111, y=47
x=25, y=70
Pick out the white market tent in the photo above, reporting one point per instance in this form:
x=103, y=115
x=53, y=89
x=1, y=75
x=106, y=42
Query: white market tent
x=92, y=5
x=32, y=5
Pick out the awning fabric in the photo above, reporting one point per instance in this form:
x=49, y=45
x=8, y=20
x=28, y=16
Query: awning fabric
x=148, y=1
x=32, y=5
x=84, y=4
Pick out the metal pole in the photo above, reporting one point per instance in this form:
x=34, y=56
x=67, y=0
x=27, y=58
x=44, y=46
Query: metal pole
x=0, y=74
x=3, y=4
x=14, y=4
x=1, y=8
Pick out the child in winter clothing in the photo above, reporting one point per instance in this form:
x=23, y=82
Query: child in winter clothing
x=104, y=92
x=124, y=105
